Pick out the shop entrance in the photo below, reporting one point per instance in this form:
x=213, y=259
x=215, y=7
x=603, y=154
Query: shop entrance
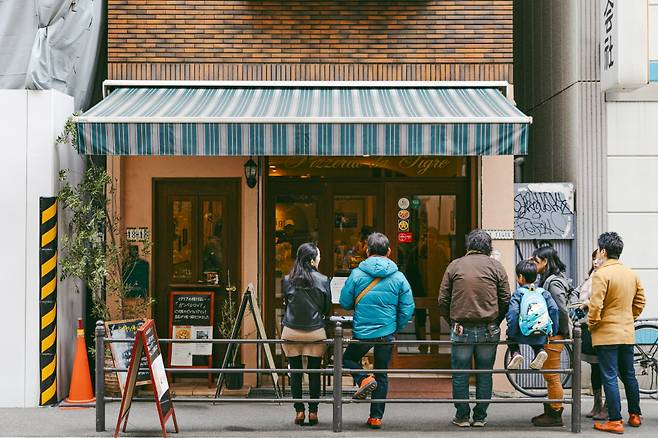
x=425, y=217
x=196, y=244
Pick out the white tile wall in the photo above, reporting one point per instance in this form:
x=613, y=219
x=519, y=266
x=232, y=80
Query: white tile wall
x=631, y=180
x=653, y=30
x=632, y=128
x=649, y=280
x=638, y=230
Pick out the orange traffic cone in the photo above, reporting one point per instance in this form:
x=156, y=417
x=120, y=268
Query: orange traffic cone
x=80, y=391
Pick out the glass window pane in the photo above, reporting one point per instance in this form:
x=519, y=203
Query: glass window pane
x=428, y=246
x=213, y=266
x=296, y=222
x=354, y=220
x=181, y=254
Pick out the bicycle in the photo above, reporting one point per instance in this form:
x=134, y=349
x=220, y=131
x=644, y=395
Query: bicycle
x=533, y=384
x=644, y=355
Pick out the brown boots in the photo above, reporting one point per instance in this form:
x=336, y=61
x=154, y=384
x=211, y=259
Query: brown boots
x=600, y=409
x=550, y=418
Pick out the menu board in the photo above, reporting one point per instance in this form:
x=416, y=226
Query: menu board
x=191, y=317
x=121, y=351
x=146, y=346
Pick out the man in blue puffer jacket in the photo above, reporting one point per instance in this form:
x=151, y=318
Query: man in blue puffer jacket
x=383, y=304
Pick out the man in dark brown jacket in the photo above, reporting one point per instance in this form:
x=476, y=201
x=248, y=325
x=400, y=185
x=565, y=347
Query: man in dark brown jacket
x=474, y=298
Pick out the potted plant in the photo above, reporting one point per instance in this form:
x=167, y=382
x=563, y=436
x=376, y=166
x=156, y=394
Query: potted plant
x=228, y=317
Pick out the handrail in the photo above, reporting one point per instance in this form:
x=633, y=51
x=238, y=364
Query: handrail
x=338, y=400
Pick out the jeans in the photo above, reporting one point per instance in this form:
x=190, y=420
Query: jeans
x=463, y=349
x=352, y=359
x=313, y=381
x=554, y=381
x=617, y=361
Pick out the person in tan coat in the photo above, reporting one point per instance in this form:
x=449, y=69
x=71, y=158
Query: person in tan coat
x=617, y=301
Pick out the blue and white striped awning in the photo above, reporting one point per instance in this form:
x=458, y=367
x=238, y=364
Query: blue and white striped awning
x=292, y=119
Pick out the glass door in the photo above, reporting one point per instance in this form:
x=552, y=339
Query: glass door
x=426, y=225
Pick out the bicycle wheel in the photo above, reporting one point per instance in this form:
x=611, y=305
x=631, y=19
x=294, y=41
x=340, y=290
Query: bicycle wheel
x=533, y=384
x=644, y=357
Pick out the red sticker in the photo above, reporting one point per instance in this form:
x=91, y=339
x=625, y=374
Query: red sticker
x=405, y=237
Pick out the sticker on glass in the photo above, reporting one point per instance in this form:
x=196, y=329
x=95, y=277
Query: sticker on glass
x=403, y=203
x=403, y=225
x=403, y=214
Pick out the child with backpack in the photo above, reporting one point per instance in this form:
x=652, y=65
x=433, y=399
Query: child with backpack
x=532, y=317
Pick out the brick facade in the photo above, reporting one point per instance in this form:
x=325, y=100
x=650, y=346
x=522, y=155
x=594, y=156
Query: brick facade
x=310, y=40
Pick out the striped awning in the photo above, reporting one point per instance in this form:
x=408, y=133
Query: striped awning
x=395, y=119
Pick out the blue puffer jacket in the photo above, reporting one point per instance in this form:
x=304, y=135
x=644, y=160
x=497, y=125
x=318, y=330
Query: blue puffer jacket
x=387, y=307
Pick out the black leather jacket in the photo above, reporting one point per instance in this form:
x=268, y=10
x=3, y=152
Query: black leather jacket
x=306, y=308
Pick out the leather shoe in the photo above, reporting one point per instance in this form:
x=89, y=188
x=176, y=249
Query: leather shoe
x=634, y=420
x=299, y=418
x=610, y=426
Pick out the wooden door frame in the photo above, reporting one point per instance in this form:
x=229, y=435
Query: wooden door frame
x=162, y=189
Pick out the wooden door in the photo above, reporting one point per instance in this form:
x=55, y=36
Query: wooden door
x=196, y=243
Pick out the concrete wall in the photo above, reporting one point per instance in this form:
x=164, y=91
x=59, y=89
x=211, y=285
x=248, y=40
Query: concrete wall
x=557, y=82
x=29, y=124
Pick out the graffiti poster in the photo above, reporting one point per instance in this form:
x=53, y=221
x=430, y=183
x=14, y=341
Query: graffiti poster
x=544, y=211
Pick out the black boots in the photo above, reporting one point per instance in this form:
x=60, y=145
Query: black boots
x=550, y=418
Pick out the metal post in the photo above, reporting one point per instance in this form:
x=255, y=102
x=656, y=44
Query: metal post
x=576, y=381
x=100, y=376
x=338, y=378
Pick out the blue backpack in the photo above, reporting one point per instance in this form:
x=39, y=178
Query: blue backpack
x=533, y=315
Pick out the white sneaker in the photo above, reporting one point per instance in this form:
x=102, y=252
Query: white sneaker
x=478, y=423
x=461, y=422
x=538, y=362
x=515, y=362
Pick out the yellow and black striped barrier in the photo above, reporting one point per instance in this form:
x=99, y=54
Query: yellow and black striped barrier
x=48, y=299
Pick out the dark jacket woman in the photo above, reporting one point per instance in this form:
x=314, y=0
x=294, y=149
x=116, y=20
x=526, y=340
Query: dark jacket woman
x=305, y=308
x=307, y=302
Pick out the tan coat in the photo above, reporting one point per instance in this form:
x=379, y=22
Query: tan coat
x=617, y=301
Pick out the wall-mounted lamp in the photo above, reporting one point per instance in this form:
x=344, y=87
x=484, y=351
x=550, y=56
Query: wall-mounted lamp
x=251, y=173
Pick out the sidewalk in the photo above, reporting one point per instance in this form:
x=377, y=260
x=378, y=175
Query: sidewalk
x=265, y=420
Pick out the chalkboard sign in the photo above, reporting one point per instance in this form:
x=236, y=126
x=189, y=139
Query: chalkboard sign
x=191, y=317
x=191, y=308
x=121, y=351
x=146, y=346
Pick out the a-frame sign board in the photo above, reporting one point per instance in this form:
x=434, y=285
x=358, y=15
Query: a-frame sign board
x=232, y=348
x=146, y=342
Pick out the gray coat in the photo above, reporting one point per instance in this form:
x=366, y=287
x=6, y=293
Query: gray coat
x=558, y=286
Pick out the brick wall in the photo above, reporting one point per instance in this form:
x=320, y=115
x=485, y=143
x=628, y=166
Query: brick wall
x=224, y=39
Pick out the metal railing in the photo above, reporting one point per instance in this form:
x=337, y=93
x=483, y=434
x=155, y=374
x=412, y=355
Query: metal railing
x=338, y=371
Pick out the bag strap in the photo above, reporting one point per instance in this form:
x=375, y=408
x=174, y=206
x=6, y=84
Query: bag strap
x=368, y=288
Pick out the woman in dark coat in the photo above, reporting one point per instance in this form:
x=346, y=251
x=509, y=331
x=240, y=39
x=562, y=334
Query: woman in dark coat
x=307, y=302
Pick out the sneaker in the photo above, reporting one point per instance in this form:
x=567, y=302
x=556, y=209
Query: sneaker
x=461, y=422
x=538, y=361
x=515, y=362
x=367, y=386
x=634, y=420
x=478, y=423
x=610, y=426
x=374, y=423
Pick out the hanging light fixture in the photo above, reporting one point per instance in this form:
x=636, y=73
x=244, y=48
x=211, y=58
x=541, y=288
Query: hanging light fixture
x=251, y=173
